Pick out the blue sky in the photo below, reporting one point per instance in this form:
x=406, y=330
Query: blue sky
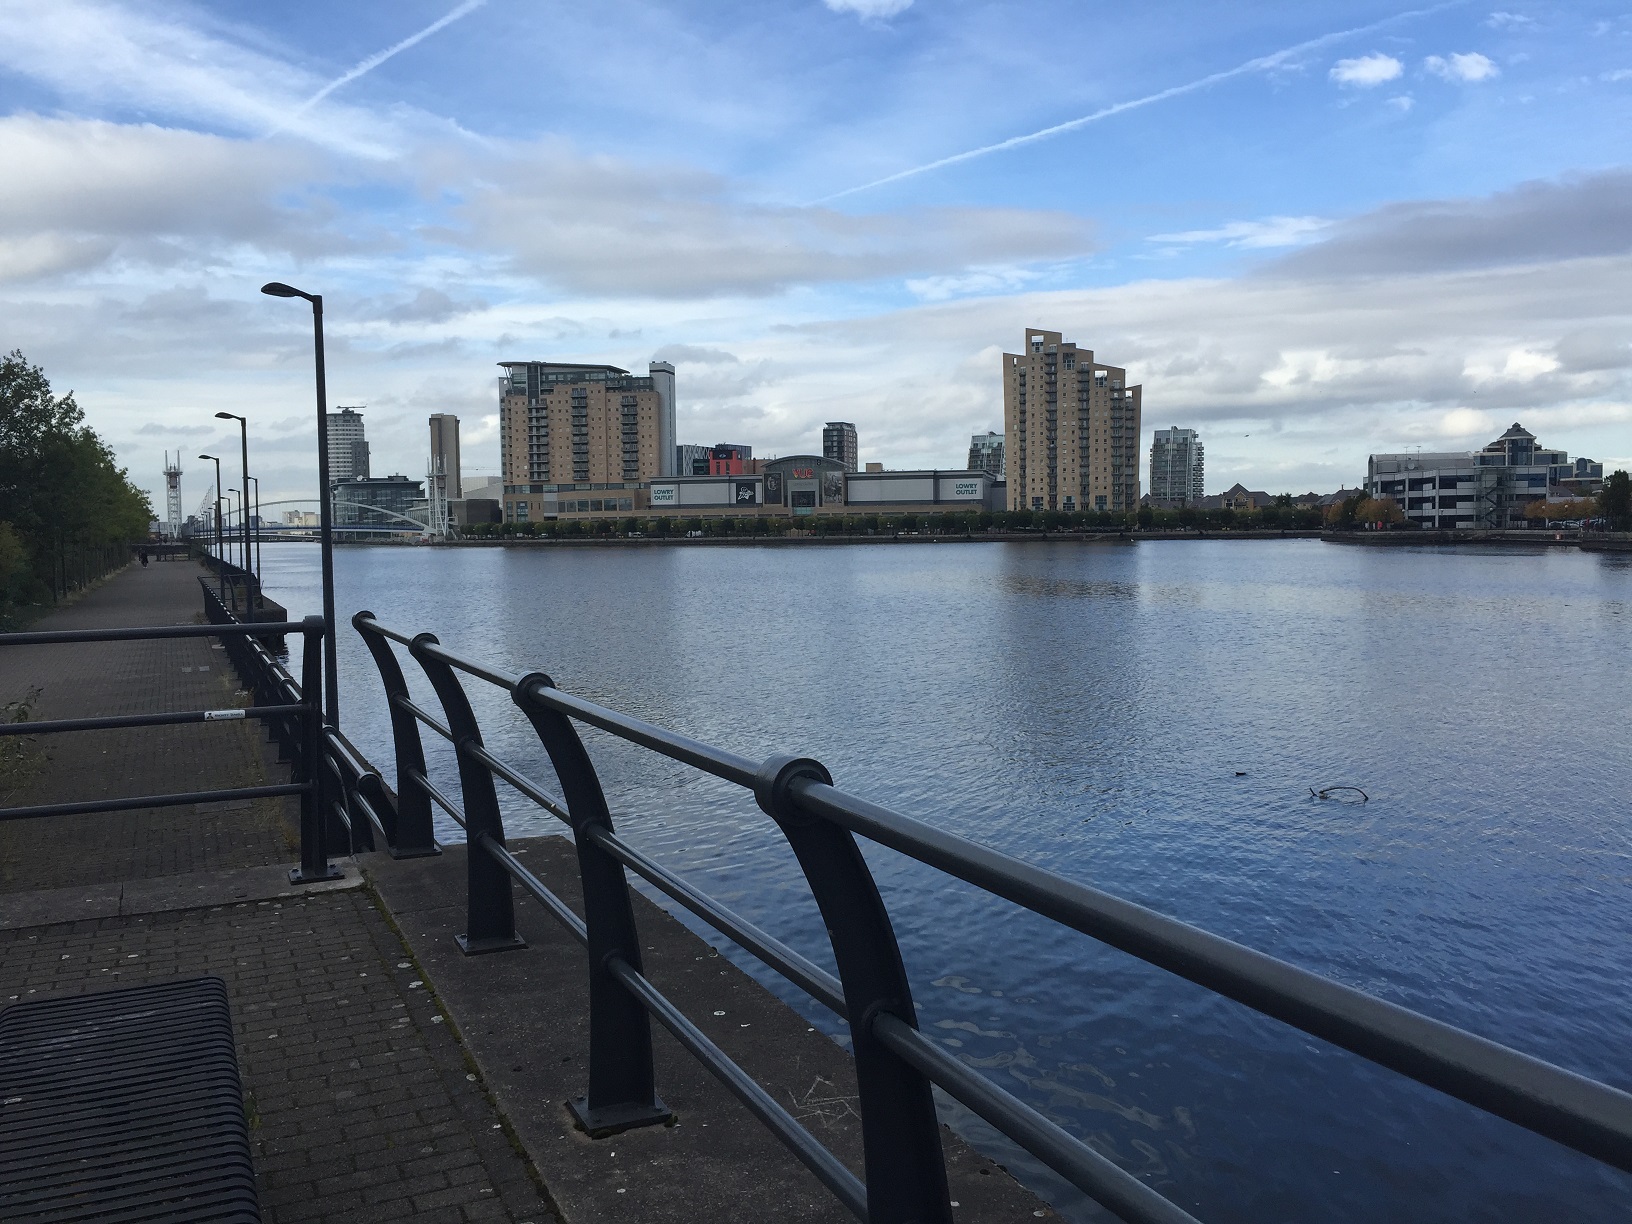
x=1310, y=231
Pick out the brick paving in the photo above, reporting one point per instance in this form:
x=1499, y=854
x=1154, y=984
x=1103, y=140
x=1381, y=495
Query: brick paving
x=363, y=1104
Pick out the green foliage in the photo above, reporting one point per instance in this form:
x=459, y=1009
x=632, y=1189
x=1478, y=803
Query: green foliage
x=1615, y=502
x=1147, y=517
x=62, y=494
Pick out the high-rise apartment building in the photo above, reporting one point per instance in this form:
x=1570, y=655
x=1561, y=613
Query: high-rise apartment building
x=445, y=453
x=986, y=454
x=1072, y=427
x=1175, y=468
x=564, y=424
x=839, y=442
x=692, y=460
x=348, y=449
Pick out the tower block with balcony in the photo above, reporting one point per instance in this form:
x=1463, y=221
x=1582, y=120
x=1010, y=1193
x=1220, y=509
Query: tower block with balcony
x=1072, y=426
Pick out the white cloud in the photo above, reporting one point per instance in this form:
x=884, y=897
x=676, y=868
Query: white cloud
x=81, y=191
x=1255, y=235
x=1458, y=67
x=106, y=54
x=1366, y=70
x=1510, y=21
x=1620, y=74
x=1402, y=103
x=872, y=10
x=600, y=226
x=967, y=284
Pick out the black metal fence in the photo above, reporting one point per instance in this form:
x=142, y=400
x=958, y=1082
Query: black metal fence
x=895, y=1063
x=351, y=800
x=292, y=718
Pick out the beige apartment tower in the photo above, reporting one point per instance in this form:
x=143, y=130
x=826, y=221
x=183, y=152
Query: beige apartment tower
x=584, y=425
x=1071, y=428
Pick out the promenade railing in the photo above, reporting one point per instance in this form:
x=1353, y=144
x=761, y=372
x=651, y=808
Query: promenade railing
x=905, y=1178
x=292, y=713
x=352, y=801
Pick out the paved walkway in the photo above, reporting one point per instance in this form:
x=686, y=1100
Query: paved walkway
x=363, y=1104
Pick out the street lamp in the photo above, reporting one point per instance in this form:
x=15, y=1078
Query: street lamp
x=256, y=481
x=220, y=576
x=243, y=441
x=331, y=670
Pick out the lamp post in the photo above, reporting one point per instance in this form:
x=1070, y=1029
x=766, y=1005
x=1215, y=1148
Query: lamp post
x=243, y=442
x=331, y=670
x=234, y=506
x=256, y=481
x=220, y=577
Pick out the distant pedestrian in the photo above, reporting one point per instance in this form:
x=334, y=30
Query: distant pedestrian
x=144, y=558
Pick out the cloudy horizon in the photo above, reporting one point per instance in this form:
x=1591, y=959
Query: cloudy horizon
x=1308, y=235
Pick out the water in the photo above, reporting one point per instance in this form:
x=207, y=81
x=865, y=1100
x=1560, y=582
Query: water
x=1148, y=719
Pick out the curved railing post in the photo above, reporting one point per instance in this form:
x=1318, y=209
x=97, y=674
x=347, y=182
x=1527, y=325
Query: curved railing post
x=622, y=1089
x=490, y=920
x=314, y=819
x=408, y=823
x=901, y=1139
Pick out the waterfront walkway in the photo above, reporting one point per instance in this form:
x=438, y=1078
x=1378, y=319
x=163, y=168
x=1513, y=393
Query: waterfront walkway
x=386, y=1076
x=361, y=1103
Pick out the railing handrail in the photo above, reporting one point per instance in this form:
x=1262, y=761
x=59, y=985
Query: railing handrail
x=50, y=637
x=1572, y=1109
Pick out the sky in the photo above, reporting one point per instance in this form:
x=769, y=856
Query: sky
x=1309, y=231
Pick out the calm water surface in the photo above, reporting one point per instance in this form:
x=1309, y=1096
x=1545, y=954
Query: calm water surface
x=1088, y=708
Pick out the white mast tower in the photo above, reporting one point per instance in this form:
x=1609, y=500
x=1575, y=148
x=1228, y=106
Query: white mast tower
x=436, y=504
x=172, y=494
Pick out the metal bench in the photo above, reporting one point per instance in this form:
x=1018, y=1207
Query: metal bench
x=124, y=1106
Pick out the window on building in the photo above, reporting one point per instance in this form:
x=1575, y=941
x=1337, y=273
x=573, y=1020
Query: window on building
x=1099, y=502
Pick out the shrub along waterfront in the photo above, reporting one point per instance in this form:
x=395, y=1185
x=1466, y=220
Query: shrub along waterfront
x=68, y=512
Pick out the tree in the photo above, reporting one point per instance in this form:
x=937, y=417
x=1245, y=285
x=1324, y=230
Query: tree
x=1615, y=502
x=61, y=489
x=1147, y=517
x=1379, y=510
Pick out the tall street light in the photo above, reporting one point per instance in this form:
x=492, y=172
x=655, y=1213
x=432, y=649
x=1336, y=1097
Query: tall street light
x=243, y=441
x=220, y=577
x=256, y=518
x=331, y=670
x=234, y=506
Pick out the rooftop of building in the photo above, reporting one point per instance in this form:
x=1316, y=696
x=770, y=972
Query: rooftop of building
x=567, y=367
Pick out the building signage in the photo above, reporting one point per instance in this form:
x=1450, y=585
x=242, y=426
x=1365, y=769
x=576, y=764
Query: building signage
x=966, y=488
x=665, y=495
x=802, y=473
x=745, y=492
x=773, y=488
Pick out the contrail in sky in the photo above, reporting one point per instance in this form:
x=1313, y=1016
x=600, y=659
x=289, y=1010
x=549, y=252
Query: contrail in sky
x=374, y=61
x=1261, y=64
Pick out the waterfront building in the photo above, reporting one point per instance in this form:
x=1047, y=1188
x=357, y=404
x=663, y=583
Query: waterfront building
x=1176, y=468
x=986, y=454
x=839, y=442
x=445, y=452
x=729, y=459
x=348, y=449
x=564, y=424
x=692, y=460
x=1486, y=488
x=357, y=498
x=1072, y=424
x=804, y=485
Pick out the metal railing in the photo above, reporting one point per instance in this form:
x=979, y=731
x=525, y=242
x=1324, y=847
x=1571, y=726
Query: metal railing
x=352, y=802
x=292, y=718
x=895, y=1063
